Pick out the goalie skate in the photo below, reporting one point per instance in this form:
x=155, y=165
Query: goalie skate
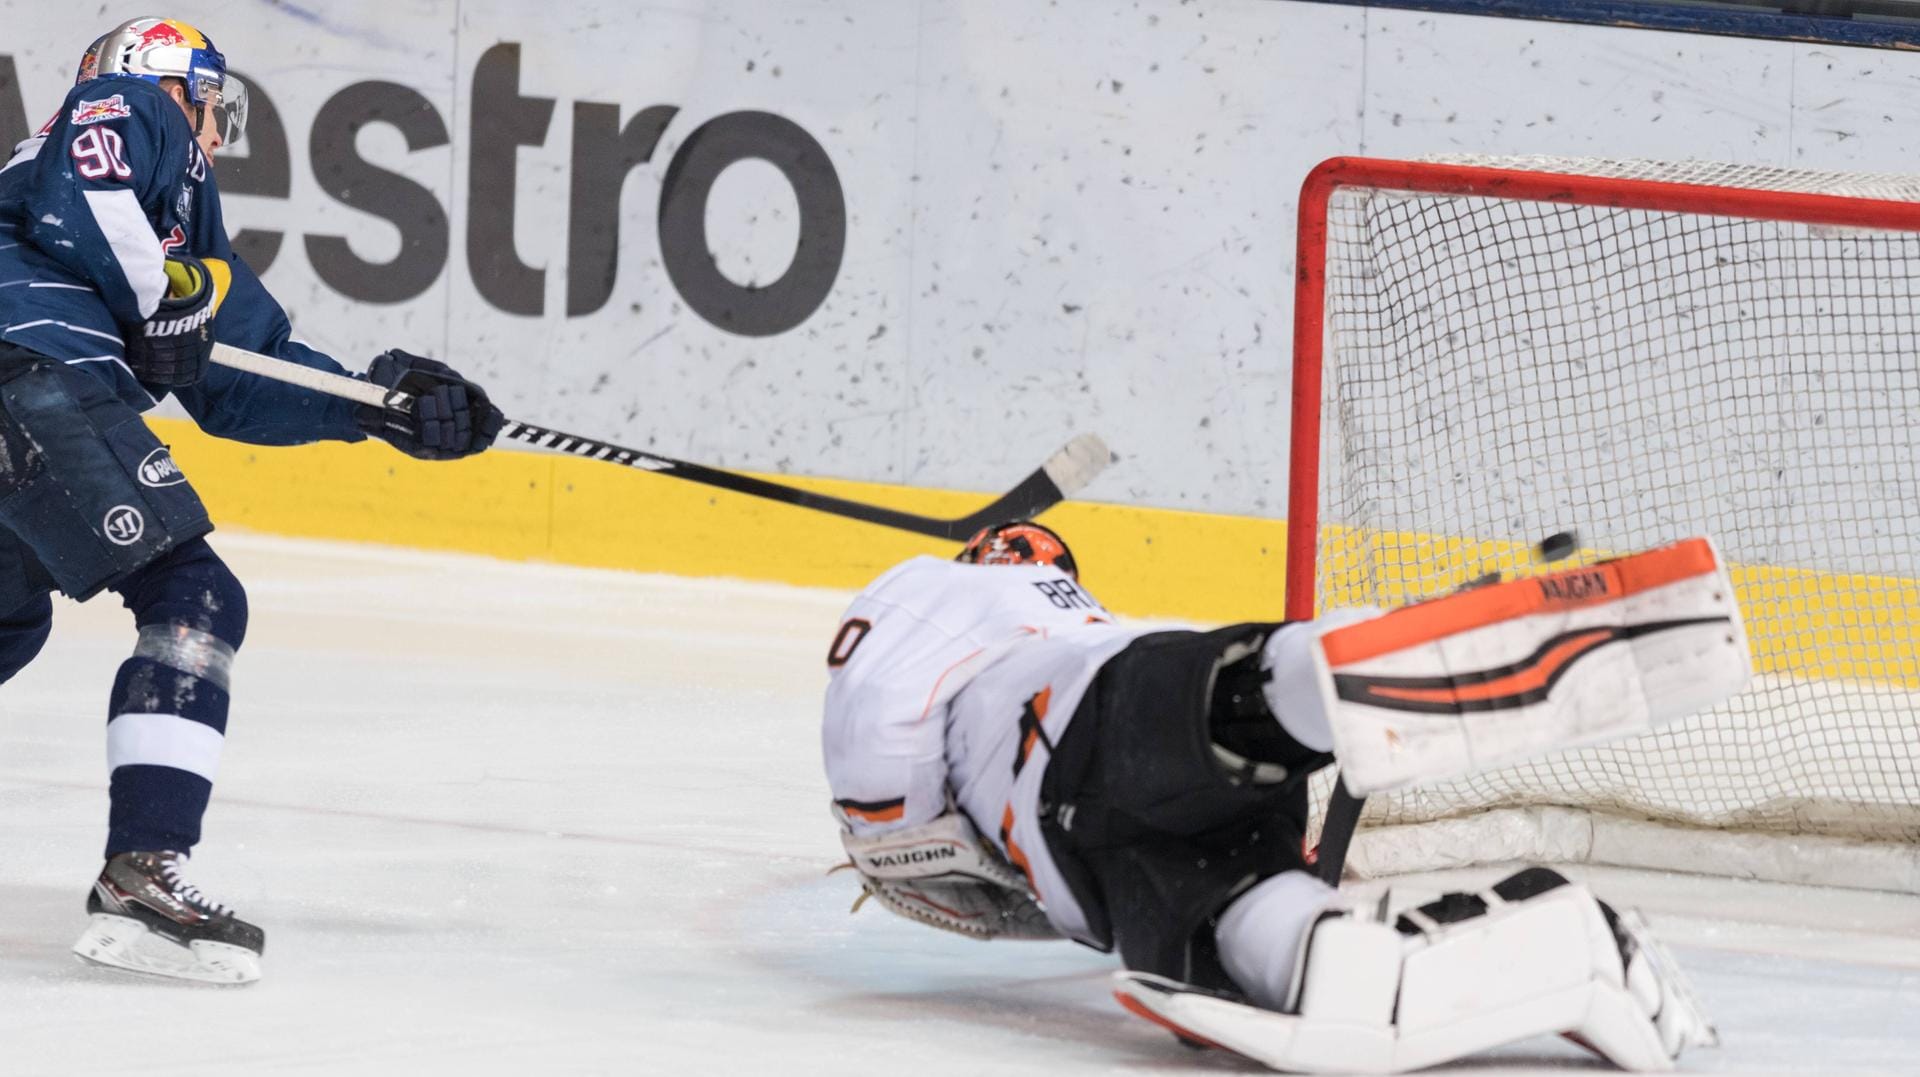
x=1503, y=673
x=146, y=918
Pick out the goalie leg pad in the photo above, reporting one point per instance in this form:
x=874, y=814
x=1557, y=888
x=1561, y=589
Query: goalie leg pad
x=1484, y=973
x=1380, y=993
x=1500, y=674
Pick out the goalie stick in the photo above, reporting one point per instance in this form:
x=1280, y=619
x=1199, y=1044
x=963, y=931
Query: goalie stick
x=1064, y=473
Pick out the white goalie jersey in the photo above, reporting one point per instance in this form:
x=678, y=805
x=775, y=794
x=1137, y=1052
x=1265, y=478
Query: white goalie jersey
x=945, y=679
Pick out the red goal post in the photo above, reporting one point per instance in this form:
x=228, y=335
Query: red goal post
x=1657, y=349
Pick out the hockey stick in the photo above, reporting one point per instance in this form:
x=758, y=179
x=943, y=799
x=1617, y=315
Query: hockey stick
x=1336, y=831
x=1064, y=473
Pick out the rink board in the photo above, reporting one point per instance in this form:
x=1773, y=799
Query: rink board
x=1199, y=566
x=567, y=510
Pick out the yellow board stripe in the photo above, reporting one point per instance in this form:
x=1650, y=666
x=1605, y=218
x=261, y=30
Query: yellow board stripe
x=1140, y=561
x=530, y=506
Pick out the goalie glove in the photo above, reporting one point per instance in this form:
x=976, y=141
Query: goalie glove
x=942, y=874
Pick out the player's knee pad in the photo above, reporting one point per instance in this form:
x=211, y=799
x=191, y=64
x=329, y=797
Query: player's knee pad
x=22, y=633
x=1532, y=955
x=192, y=613
x=192, y=587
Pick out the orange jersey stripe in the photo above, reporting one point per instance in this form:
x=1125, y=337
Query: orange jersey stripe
x=1425, y=622
x=1014, y=853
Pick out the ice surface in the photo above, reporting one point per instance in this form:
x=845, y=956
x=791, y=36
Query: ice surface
x=517, y=819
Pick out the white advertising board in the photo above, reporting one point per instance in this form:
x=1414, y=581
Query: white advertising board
x=918, y=241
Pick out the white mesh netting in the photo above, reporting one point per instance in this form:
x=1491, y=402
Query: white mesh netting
x=1497, y=370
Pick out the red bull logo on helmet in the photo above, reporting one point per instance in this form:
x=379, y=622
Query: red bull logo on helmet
x=165, y=32
x=106, y=108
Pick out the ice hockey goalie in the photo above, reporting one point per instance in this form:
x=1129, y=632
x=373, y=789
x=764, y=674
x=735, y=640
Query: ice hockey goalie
x=1007, y=762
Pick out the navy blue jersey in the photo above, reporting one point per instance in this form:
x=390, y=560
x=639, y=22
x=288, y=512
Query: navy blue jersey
x=90, y=207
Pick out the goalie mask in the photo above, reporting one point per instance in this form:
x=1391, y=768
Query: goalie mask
x=1019, y=542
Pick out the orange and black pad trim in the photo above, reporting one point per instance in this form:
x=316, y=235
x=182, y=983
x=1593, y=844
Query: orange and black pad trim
x=1502, y=687
x=1572, y=589
x=875, y=811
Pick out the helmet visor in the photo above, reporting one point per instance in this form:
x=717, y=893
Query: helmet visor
x=226, y=96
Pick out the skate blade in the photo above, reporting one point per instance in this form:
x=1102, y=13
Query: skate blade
x=121, y=942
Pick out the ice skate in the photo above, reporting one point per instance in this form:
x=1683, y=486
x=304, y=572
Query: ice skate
x=148, y=918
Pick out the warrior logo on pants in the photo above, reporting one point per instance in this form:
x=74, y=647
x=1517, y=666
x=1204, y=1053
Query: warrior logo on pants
x=124, y=525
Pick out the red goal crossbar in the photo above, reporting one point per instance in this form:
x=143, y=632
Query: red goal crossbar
x=1422, y=177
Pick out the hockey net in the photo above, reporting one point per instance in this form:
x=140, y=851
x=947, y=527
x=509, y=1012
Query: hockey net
x=1489, y=351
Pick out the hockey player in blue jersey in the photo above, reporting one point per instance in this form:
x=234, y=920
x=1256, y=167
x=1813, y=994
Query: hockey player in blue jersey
x=116, y=277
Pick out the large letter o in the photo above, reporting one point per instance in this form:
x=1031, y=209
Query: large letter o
x=721, y=141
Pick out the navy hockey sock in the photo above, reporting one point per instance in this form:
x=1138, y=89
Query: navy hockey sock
x=167, y=719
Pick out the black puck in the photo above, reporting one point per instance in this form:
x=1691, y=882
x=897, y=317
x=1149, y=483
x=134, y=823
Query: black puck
x=1559, y=546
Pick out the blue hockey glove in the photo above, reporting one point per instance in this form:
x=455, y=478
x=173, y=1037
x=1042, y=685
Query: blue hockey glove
x=171, y=349
x=450, y=416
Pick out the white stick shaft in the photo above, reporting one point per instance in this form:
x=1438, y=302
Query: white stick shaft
x=319, y=381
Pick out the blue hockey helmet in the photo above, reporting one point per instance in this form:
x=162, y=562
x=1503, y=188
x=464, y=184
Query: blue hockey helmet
x=154, y=49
